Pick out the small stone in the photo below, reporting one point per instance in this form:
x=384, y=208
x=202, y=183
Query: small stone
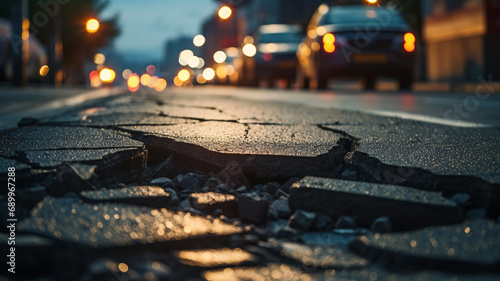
x=174, y=198
x=233, y=174
x=382, y=224
x=152, y=196
x=189, y=181
x=282, y=208
x=28, y=121
x=460, y=198
x=242, y=189
x=323, y=222
x=73, y=177
x=260, y=187
x=302, y=220
x=286, y=186
x=163, y=182
x=272, y=187
x=273, y=214
x=345, y=222
x=477, y=214
x=252, y=208
x=349, y=175
x=224, y=187
x=211, y=201
x=212, y=183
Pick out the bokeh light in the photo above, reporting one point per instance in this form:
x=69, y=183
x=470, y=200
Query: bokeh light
x=44, y=70
x=99, y=58
x=126, y=74
x=225, y=12
x=177, y=81
x=208, y=74
x=200, y=79
x=92, y=26
x=107, y=75
x=145, y=78
x=199, y=40
x=184, y=75
x=221, y=72
x=193, y=62
x=161, y=84
x=220, y=57
x=249, y=50
x=151, y=69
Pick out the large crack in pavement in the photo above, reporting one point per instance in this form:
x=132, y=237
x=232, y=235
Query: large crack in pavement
x=195, y=188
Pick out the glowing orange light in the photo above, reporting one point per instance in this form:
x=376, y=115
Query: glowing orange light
x=329, y=48
x=44, y=70
x=184, y=75
x=329, y=38
x=133, y=82
x=92, y=26
x=107, y=75
x=225, y=12
x=409, y=39
x=145, y=78
x=161, y=84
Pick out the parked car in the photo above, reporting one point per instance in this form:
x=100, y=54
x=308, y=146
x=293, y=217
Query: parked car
x=356, y=41
x=274, y=55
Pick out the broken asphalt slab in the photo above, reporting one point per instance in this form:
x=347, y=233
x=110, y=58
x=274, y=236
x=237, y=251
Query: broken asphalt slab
x=150, y=196
x=110, y=225
x=471, y=247
x=407, y=208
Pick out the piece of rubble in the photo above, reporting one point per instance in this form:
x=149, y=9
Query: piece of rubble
x=415, y=208
x=473, y=246
x=189, y=181
x=271, y=272
x=272, y=187
x=211, y=201
x=460, y=198
x=345, y=222
x=302, y=220
x=323, y=222
x=252, y=208
x=215, y=257
x=282, y=208
x=151, y=196
x=104, y=225
x=107, y=269
x=163, y=183
x=212, y=183
x=320, y=256
x=382, y=224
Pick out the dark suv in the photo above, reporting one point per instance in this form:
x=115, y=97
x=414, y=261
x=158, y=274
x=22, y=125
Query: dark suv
x=275, y=58
x=356, y=41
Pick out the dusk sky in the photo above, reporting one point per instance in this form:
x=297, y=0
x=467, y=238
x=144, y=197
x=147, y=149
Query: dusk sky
x=147, y=24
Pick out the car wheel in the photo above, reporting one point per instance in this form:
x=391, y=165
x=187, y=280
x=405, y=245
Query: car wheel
x=369, y=83
x=405, y=82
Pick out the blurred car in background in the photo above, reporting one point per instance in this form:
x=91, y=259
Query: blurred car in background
x=356, y=41
x=271, y=55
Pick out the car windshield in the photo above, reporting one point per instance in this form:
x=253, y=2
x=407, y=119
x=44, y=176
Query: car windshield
x=357, y=15
x=280, y=38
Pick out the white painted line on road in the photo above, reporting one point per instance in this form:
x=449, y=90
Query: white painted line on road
x=428, y=119
x=49, y=109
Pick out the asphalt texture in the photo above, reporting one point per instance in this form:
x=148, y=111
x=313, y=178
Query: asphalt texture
x=208, y=184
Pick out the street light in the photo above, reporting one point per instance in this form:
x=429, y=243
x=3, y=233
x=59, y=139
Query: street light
x=225, y=12
x=92, y=26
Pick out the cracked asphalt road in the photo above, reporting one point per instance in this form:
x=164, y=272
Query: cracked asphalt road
x=283, y=163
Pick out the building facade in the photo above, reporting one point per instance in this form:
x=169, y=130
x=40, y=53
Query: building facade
x=462, y=39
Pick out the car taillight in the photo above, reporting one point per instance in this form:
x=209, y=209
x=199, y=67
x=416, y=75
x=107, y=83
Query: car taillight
x=409, y=40
x=329, y=43
x=267, y=57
